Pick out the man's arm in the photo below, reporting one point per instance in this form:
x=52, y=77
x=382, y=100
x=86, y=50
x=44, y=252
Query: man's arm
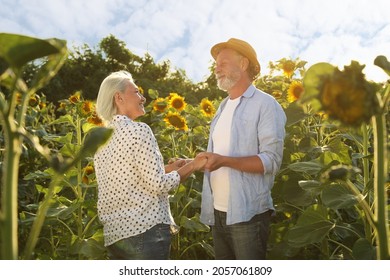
x=250, y=164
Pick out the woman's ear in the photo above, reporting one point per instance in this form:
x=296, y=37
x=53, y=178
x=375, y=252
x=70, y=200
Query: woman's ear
x=117, y=98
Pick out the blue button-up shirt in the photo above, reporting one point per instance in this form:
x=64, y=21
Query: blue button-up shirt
x=258, y=128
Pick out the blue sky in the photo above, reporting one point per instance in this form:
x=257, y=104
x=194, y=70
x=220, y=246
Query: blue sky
x=183, y=31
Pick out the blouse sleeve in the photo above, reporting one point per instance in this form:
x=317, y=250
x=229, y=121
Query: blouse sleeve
x=150, y=164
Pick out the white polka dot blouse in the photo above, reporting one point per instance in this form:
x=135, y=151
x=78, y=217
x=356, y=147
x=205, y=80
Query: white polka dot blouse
x=132, y=184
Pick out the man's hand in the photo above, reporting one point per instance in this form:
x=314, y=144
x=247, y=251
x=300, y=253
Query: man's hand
x=214, y=161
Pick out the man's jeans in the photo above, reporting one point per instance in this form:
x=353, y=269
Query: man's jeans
x=241, y=241
x=154, y=244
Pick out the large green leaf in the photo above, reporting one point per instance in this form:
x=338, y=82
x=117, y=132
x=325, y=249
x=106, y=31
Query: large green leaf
x=293, y=193
x=312, y=82
x=312, y=227
x=337, y=196
x=312, y=186
x=338, y=147
x=309, y=167
x=94, y=139
x=363, y=250
x=294, y=114
x=18, y=50
x=193, y=224
x=90, y=248
x=51, y=66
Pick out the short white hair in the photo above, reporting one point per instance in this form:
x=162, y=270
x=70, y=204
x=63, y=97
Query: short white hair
x=113, y=83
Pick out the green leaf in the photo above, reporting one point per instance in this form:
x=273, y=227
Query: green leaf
x=363, y=250
x=38, y=175
x=291, y=192
x=382, y=62
x=309, y=167
x=66, y=139
x=90, y=248
x=193, y=224
x=64, y=119
x=63, y=212
x=153, y=94
x=69, y=150
x=294, y=114
x=94, y=139
x=87, y=127
x=51, y=66
x=337, y=196
x=18, y=50
x=312, y=227
x=180, y=192
x=337, y=146
x=311, y=185
x=312, y=83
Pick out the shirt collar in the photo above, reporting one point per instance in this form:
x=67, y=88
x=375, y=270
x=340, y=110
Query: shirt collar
x=249, y=91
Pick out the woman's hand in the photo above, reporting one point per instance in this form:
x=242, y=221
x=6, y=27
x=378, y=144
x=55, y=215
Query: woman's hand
x=175, y=164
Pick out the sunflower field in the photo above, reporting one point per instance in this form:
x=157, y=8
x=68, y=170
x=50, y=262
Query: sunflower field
x=331, y=194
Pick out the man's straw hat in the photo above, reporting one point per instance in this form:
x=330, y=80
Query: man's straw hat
x=240, y=46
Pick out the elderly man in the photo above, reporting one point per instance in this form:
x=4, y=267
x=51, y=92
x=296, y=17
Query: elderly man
x=244, y=154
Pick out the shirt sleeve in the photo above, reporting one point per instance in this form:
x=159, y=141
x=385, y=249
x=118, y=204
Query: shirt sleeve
x=271, y=132
x=150, y=164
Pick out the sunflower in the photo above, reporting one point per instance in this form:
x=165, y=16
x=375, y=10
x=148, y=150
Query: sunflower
x=207, y=107
x=288, y=67
x=75, y=98
x=176, y=121
x=294, y=91
x=33, y=101
x=87, y=171
x=176, y=101
x=94, y=119
x=172, y=94
x=62, y=107
x=347, y=96
x=159, y=105
x=86, y=108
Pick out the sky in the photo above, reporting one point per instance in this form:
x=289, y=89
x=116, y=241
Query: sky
x=183, y=31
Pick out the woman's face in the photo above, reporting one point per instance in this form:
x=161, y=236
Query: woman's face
x=131, y=102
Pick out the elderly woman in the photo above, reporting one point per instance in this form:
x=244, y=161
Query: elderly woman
x=133, y=183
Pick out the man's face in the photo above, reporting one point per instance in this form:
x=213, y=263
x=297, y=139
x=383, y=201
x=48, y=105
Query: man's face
x=227, y=70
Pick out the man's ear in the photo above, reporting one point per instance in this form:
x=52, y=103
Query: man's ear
x=244, y=63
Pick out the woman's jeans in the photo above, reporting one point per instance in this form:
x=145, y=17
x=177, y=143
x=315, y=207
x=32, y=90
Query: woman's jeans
x=241, y=241
x=154, y=244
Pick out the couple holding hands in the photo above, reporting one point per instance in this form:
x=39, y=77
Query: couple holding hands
x=244, y=153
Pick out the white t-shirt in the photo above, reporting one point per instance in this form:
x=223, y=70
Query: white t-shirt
x=219, y=178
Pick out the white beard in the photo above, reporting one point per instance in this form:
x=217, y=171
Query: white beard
x=229, y=81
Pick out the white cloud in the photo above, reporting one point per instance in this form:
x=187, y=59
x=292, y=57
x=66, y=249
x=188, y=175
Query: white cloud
x=184, y=31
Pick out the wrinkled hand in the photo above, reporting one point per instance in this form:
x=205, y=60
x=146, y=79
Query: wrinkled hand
x=175, y=164
x=199, y=162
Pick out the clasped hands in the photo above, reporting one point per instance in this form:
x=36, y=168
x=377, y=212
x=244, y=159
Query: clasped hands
x=204, y=161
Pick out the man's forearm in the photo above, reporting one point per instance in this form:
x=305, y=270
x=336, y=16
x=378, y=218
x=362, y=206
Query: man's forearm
x=251, y=164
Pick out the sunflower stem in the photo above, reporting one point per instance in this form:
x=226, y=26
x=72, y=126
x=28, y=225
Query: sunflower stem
x=366, y=178
x=380, y=169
